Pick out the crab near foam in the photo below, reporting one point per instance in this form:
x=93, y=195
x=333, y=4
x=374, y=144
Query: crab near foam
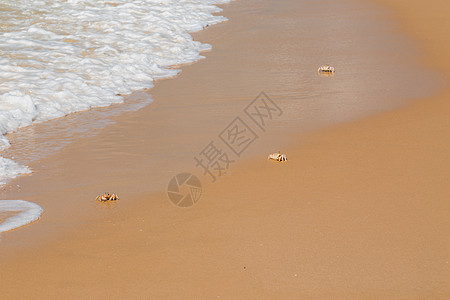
x=107, y=197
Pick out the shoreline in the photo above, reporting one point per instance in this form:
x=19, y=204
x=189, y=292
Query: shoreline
x=346, y=106
x=66, y=85
x=236, y=223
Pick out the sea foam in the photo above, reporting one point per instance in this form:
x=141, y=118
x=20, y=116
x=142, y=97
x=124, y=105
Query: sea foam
x=59, y=57
x=25, y=213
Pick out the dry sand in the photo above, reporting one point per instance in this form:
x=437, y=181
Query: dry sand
x=359, y=211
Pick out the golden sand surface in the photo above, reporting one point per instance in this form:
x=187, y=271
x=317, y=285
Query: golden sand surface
x=360, y=210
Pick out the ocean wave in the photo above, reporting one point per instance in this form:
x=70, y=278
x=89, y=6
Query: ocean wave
x=60, y=57
x=23, y=213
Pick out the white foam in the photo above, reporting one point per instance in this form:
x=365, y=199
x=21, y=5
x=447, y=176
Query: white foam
x=27, y=212
x=10, y=169
x=59, y=57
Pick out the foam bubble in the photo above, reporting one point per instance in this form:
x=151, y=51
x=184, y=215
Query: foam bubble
x=9, y=169
x=26, y=212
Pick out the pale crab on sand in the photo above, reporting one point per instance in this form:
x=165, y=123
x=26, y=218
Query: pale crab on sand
x=277, y=156
x=326, y=69
x=107, y=197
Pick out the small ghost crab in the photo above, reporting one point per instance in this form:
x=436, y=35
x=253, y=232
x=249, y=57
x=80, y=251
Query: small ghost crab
x=277, y=156
x=326, y=69
x=107, y=197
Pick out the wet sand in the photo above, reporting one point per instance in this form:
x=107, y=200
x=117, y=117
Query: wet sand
x=358, y=211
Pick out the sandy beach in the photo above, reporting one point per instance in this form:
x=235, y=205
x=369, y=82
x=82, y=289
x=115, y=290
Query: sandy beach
x=360, y=210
